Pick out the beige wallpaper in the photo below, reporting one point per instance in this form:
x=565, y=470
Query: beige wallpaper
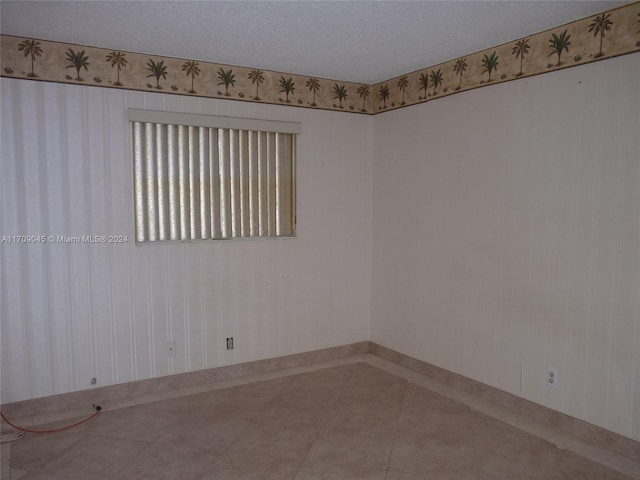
x=107, y=310
x=506, y=234
x=613, y=33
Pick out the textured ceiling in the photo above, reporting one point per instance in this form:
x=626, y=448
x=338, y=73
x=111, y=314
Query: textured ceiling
x=357, y=41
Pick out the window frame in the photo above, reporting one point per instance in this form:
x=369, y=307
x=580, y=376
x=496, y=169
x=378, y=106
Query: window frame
x=151, y=182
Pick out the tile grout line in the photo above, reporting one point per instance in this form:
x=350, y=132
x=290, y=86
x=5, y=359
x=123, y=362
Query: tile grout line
x=395, y=434
x=315, y=438
x=409, y=377
x=635, y=476
x=502, y=416
x=128, y=462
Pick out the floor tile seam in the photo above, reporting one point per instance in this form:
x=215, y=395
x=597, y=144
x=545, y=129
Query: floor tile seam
x=393, y=444
x=613, y=454
x=274, y=374
x=394, y=435
x=40, y=468
x=144, y=405
x=113, y=476
x=625, y=457
x=503, y=415
x=119, y=439
x=471, y=407
x=307, y=390
x=635, y=477
x=15, y=474
x=383, y=363
x=476, y=459
x=380, y=431
x=226, y=450
x=288, y=422
x=410, y=381
x=474, y=409
x=562, y=445
x=36, y=468
x=204, y=474
x=397, y=420
x=559, y=438
x=146, y=398
x=199, y=477
x=473, y=400
x=342, y=464
x=328, y=427
x=140, y=400
x=315, y=438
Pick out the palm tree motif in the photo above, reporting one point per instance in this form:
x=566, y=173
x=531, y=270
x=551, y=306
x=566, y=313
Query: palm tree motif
x=403, y=83
x=600, y=25
x=436, y=79
x=423, y=80
x=191, y=68
x=363, y=92
x=30, y=48
x=520, y=50
x=257, y=77
x=226, y=78
x=489, y=64
x=118, y=60
x=157, y=70
x=77, y=60
x=287, y=86
x=313, y=84
x=459, y=67
x=339, y=93
x=559, y=43
x=384, y=95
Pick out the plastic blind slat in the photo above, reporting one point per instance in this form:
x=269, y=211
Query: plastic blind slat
x=195, y=182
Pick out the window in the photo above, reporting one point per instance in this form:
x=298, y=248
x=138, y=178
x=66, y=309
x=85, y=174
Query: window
x=203, y=177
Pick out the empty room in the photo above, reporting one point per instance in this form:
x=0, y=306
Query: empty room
x=320, y=240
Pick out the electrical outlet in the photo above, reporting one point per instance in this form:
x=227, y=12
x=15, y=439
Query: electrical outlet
x=171, y=348
x=552, y=377
x=230, y=343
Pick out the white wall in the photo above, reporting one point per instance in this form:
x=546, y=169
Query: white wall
x=507, y=237
x=73, y=312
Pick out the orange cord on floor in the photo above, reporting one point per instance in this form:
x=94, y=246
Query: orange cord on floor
x=97, y=407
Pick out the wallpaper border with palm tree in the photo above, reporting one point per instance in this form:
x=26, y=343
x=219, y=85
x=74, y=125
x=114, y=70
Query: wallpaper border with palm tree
x=606, y=35
x=598, y=37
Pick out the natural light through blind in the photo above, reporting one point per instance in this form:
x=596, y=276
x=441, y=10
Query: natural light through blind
x=201, y=177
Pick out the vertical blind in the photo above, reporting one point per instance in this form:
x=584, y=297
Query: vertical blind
x=197, y=177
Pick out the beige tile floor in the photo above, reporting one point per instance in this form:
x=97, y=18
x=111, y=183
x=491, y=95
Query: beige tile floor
x=358, y=418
